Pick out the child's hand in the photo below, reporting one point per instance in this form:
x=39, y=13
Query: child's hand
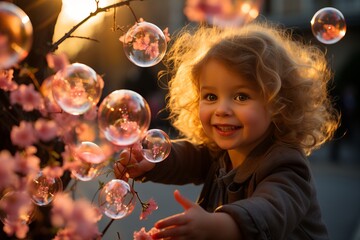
x=131, y=168
x=193, y=223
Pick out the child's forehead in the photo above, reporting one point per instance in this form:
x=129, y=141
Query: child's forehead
x=222, y=73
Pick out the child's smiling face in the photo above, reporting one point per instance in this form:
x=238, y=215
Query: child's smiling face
x=232, y=110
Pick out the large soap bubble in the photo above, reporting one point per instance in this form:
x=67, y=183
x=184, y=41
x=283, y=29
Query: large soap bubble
x=16, y=35
x=145, y=44
x=328, y=25
x=76, y=88
x=124, y=117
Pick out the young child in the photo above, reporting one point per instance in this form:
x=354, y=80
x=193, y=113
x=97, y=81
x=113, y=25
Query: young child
x=251, y=104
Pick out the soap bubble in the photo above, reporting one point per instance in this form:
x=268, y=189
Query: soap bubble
x=145, y=44
x=46, y=90
x=116, y=200
x=124, y=117
x=42, y=189
x=76, y=88
x=84, y=169
x=90, y=152
x=223, y=13
x=328, y=25
x=16, y=207
x=16, y=35
x=156, y=145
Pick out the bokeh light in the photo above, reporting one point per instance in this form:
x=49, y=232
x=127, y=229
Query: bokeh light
x=124, y=117
x=328, y=25
x=116, y=200
x=223, y=13
x=145, y=44
x=42, y=189
x=156, y=145
x=76, y=88
x=16, y=35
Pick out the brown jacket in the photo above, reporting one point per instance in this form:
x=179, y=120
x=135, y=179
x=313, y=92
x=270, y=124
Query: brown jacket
x=270, y=196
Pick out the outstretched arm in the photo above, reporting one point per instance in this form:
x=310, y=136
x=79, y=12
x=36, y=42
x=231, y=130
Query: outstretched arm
x=196, y=223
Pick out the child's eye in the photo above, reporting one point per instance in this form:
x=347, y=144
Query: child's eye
x=210, y=97
x=241, y=97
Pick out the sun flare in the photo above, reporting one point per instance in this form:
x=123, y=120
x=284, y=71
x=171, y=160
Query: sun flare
x=72, y=13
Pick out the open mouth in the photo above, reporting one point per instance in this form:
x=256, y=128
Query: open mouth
x=227, y=128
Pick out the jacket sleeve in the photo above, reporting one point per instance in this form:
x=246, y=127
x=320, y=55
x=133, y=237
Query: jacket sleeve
x=185, y=164
x=281, y=197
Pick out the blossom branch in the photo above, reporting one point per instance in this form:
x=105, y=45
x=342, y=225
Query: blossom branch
x=98, y=10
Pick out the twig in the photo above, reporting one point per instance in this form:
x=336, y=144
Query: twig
x=55, y=45
x=107, y=227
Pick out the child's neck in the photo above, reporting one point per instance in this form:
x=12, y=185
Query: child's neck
x=237, y=158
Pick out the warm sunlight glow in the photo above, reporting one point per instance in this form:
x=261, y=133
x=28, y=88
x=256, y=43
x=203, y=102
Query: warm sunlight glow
x=78, y=10
x=72, y=12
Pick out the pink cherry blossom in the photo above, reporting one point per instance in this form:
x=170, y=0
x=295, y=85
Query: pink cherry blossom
x=91, y=114
x=23, y=135
x=26, y=162
x=27, y=97
x=148, y=208
x=7, y=170
x=152, y=50
x=6, y=80
x=167, y=34
x=45, y=129
x=57, y=61
x=144, y=235
x=77, y=219
x=53, y=171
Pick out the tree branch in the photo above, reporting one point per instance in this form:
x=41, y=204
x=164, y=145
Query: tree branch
x=55, y=45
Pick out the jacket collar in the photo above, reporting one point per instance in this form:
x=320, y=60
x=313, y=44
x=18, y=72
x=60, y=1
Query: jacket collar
x=247, y=168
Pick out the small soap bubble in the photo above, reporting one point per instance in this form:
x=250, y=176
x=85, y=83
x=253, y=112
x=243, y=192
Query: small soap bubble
x=328, y=25
x=76, y=88
x=156, y=145
x=43, y=189
x=16, y=35
x=116, y=200
x=145, y=44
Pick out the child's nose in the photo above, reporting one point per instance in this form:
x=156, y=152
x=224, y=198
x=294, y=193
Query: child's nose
x=223, y=109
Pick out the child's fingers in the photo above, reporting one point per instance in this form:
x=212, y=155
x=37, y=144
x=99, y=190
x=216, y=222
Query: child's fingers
x=184, y=202
x=175, y=220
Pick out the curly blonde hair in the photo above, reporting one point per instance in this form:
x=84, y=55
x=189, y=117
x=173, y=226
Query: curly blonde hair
x=293, y=78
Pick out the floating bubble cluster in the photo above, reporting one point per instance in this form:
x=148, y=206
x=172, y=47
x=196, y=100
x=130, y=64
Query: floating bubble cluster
x=16, y=35
x=328, y=25
x=145, y=44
